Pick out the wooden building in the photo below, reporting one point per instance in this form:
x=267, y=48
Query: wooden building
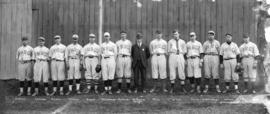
x=33, y=18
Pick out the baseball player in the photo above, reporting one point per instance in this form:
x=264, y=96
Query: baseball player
x=41, y=66
x=194, y=62
x=108, y=64
x=211, y=61
x=73, y=61
x=24, y=56
x=158, y=50
x=123, y=61
x=249, y=55
x=91, y=53
x=57, y=55
x=177, y=49
x=230, y=58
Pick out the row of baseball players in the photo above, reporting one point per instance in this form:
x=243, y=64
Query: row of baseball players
x=115, y=59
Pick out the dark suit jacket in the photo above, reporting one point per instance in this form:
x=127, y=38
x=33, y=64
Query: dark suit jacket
x=139, y=54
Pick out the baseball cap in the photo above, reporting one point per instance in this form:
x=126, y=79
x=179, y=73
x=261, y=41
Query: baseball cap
x=123, y=32
x=75, y=36
x=107, y=34
x=192, y=34
x=57, y=37
x=245, y=36
x=24, y=38
x=158, y=32
x=211, y=32
x=92, y=35
x=41, y=38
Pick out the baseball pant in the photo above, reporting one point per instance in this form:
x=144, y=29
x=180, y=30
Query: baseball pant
x=249, y=71
x=58, y=70
x=159, y=66
x=123, y=67
x=193, y=67
x=24, y=70
x=90, y=64
x=108, y=68
x=74, y=69
x=211, y=66
x=41, y=71
x=229, y=70
x=177, y=62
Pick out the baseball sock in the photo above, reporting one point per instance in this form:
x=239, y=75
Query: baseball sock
x=70, y=85
x=216, y=82
x=54, y=86
x=246, y=84
x=119, y=85
x=61, y=85
x=106, y=84
x=172, y=83
x=78, y=81
x=21, y=86
x=46, y=86
x=252, y=85
x=128, y=83
x=206, y=83
x=29, y=84
x=110, y=84
x=235, y=85
x=227, y=85
x=36, y=86
x=191, y=80
x=182, y=83
x=198, y=81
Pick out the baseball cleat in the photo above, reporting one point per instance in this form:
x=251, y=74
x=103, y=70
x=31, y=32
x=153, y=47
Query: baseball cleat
x=79, y=92
x=68, y=93
x=61, y=93
x=46, y=93
x=96, y=92
x=53, y=93
x=86, y=91
x=129, y=91
x=152, y=90
x=144, y=91
x=254, y=92
x=184, y=90
x=199, y=90
x=171, y=91
x=110, y=92
x=218, y=90
x=245, y=91
x=192, y=90
x=205, y=90
x=20, y=94
x=104, y=92
x=35, y=94
x=118, y=91
x=225, y=91
x=165, y=90
x=135, y=91
x=28, y=93
x=237, y=91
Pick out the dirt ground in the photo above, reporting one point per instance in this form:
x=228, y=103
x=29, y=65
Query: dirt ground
x=178, y=103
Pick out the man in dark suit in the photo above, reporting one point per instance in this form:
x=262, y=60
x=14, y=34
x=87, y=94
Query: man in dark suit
x=140, y=53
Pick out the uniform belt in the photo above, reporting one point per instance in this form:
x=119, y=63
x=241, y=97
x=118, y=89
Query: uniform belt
x=193, y=57
x=159, y=54
x=57, y=60
x=124, y=55
x=107, y=57
x=42, y=60
x=90, y=57
x=248, y=56
x=212, y=54
x=73, y=58
x=26, y=61
x=228, y=58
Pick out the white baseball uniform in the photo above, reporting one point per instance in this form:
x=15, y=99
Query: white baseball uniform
x=229, y=53
x=248, y=52
x=24, y=56
x=211, y=59
x=158, y=49
x=176, y=50
x=194, y=49
x=57, y=54
x=123, y=65
x=90, y=53
x=41, y=67
x=73, y=57
x=108, y=64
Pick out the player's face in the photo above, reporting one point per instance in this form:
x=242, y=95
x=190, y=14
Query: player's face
x=41, y=42
x=192, y=37
x=107, y=38
x=158, y=36
x=57, y=41
x=176, y=35
x=211, y=36
x=25, y=42
x=123, y=35
x=228, y=38
x=139, y=40
x=92, y=39
x=75, y=40
x=246, y=40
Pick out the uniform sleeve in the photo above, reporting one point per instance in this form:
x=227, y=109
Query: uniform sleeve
x=166, y=46
x=115, y=50
x=237, y=51
x=256, y=50
x=34, y=55
x=201, y=48
x=51, y=52
x=184, y=47
x=17, y=53
x=218, y=47
x=31, y=53
x=66, y=53
x=169, y=46
x=204, y=47
x=241, y=50
x=151, y=47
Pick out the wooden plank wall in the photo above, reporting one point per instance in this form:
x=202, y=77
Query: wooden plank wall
x=65, y=17
x=15, y=22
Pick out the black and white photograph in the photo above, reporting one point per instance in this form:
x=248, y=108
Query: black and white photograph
x=134, y=56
